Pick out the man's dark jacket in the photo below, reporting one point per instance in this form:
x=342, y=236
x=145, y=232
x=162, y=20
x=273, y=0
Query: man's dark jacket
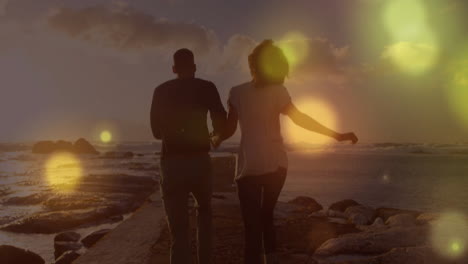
x=179, y=115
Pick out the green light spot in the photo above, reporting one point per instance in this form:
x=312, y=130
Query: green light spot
x=455, y=247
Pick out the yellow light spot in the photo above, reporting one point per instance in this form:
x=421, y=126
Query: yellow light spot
x=63, y=171
x=414, y=49
x=458, y=90
x=295, y=47
x=405, y=20
x=318, y=110
x=455, y=247
x=413, y=58
x=386, y=178
x=106, y=136
x=450, y=235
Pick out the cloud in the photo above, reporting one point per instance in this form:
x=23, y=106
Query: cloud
x=128, y=29
x=3, y=6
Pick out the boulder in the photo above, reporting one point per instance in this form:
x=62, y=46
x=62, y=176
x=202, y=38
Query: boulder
x=307, y=202
x=378, y=225
x=375, y=242
x=360, y=214
x=14, y=255
x=92, y=238
x=401, y=220
x=341, y=206
x=426, y=218
x=61, y=247
x=44, y=147
x=67, y=237
x=81, y=146
x=67, y=257
x=407, y=255
x=385, y=212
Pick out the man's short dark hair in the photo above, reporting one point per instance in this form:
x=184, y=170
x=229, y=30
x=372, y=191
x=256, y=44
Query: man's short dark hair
x=183, y=58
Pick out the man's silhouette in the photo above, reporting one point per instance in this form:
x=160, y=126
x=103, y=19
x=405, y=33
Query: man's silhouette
x=179, y=118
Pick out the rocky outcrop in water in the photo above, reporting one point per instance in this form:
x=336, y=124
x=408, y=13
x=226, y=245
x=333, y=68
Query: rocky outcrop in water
x=81, y=146
x=14, y=255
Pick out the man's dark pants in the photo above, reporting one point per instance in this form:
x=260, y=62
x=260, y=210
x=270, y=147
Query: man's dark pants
x=180, y=177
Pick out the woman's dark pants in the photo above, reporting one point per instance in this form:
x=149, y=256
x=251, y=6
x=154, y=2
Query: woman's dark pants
x=258, y=195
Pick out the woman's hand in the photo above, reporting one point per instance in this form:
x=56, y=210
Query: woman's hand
x=347, y=136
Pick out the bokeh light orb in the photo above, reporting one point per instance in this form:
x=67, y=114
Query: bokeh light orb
x=405, y=20
x=414, y=49
x=450, y=235
x=458, y=91
x=295, y=47
x=106, y=136
x=411, y=57
x=63, y=171
x=319, y=110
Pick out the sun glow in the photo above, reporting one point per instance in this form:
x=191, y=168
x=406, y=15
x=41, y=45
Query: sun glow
x=319, y=110
x=63, y=171
x=450, y=235
x=106, y=136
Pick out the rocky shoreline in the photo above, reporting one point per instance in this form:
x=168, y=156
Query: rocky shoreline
x=345, y=233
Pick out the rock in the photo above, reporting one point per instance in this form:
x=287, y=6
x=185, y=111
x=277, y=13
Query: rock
x=67, y=237
x=408, y=255
x=426, y=218
x=385, y=212
x=401, y=220
x=14, y=255
x=67, y=257
x=321, y=213
x=309, y=203
x=44, y=147
x=341, y=206
x=92, y=238
x=375, y=242
x=378, y=225
x=81, y=146
x=61, y=247
x=336, y=214
x=65, y=146
x=32, y=199
x=360, y=214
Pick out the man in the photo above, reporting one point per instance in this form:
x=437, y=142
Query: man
x=179, y=118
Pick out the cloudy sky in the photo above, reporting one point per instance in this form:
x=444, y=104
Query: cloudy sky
x=390, y=70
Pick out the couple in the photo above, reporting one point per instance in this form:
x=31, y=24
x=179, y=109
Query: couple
x=179, y=118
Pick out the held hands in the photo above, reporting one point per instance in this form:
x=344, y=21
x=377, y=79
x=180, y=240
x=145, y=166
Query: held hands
x=215, y=140
x=347, y=136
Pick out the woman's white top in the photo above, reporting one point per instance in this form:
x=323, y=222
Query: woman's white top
x=259, y=109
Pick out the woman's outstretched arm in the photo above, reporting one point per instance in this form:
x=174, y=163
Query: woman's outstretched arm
x=307, y=122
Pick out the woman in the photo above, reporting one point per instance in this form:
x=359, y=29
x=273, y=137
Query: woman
x=257, y=106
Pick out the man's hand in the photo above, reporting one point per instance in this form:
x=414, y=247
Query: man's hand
x=347, y=136
x=215, y=140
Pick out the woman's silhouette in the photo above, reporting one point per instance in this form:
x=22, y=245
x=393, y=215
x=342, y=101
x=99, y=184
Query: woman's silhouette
x=257, y=106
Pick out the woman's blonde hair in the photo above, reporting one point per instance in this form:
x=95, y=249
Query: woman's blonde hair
x=268, y=64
